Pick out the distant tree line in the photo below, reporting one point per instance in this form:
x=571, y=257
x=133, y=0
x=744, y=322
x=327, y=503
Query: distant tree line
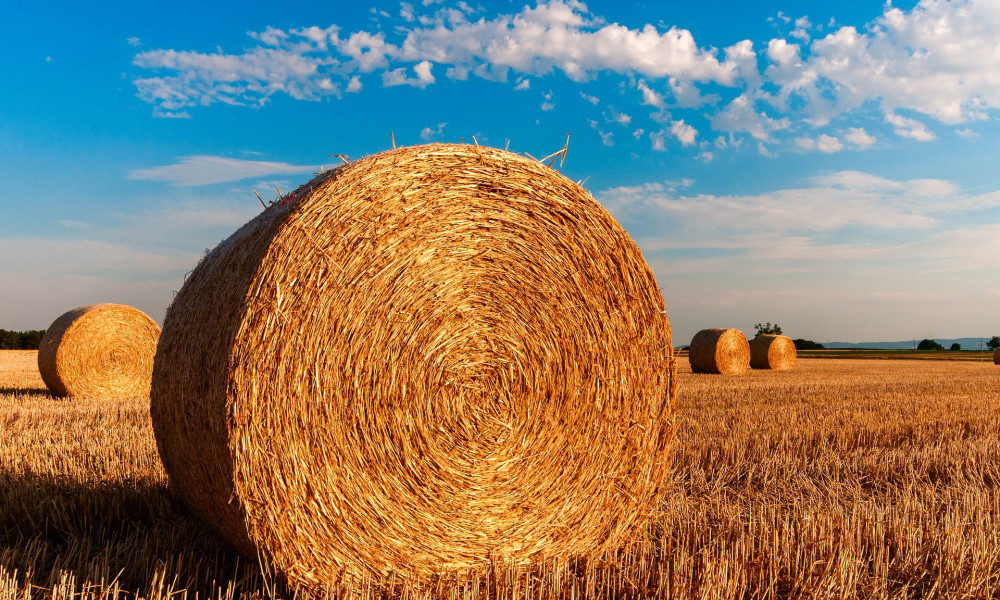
x=801, y=344
x=21, y=340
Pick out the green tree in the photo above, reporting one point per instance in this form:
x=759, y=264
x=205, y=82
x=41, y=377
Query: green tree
x=8, y=340
x=767, y=328
x=929, y=345
x=20, y=340
x=994, y=342
x=31, y=339
x=801, y=344
x=956, y=347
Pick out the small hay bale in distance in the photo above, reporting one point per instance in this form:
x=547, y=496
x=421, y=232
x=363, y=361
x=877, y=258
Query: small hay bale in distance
x=774, y=352
x=100, y=350
x=720, y=351
x=421, y=362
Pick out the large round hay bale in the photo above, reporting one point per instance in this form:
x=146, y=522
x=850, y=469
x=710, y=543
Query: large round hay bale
x=996, y=356
x=775, y=352
x=722, y=351
x=424, y=361
x=101, y=350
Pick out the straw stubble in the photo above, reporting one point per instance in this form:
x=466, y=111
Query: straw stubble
x=435, y=358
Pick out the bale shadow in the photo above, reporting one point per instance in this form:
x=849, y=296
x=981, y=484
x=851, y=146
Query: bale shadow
x=22, y=391
x=135, y=534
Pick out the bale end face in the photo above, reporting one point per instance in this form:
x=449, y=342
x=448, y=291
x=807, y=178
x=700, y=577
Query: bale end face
x=431, y=359
x=100, y=350
x=774, y=352
x=719, y=351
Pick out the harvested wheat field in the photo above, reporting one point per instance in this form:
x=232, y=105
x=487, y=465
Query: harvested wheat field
x=840, y=479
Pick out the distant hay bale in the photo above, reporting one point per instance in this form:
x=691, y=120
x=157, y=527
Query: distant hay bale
x=722, y=351
x=775, y=352
x=424, y=361
x=101, y=350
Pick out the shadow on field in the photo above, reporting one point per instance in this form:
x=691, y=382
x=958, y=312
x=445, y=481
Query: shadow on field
x=20, y=391
x=134, y=533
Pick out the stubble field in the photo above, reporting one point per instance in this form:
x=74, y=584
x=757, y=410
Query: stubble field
x=841, y=479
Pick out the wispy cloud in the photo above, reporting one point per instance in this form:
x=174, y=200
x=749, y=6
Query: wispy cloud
x=831, y=203
x=207, y=170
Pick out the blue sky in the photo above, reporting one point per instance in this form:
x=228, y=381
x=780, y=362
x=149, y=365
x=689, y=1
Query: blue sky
x=828, y=166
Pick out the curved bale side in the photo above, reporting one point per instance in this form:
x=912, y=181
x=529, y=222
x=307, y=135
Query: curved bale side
x=424, y=361
x=719, y=351
x=100, y=350
x=996, y=356
x=774, y=352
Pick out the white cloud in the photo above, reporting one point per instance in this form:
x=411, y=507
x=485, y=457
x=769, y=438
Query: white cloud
x=547, y=104
x=650, y=96
x=802, y=27
x=910, y=128
x=934, y=63
x=207, y=170
x=423, y=78
x=249, y=78
x=312, y=63
x=427, y=134
x=740, y=115
x=859, y=137
x=828, y=144
x=830, y=203
x=659, y=140
x=685, y=133
x=617, y=117
x=406, y=11
x=938, y=59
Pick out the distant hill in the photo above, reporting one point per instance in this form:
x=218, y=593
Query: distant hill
x=966, y=343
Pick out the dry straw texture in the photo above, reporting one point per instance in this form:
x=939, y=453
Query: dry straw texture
x=775, y=352
x=101, y=350
x=723, y=351
x=421, y=362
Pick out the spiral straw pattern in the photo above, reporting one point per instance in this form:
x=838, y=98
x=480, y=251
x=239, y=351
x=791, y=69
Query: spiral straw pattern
x=774, y=352
x=426, y=361
x=720, y=351
x=101, y=350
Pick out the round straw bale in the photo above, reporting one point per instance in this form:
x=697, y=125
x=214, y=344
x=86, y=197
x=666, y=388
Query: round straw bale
x=775, y=352
x=101, y=350
x=421, y=362
x=723, y=351
x=996, y=356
